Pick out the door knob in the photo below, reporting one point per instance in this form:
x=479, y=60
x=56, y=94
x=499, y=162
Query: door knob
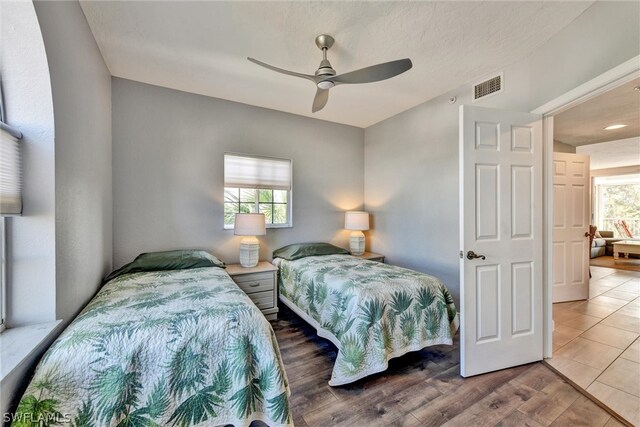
x=473, y=255
x=586, y=234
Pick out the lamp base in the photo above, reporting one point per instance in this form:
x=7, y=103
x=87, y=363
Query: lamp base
x=249, y=252
x=356, y=243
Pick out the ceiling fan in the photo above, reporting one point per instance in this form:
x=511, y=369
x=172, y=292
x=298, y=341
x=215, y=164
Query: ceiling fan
x=325, y=76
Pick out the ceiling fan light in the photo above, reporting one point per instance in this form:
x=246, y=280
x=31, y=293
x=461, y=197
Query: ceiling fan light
x=326, y=84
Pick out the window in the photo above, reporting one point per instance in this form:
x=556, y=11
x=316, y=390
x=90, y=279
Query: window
x=3, y=269
x=617, y=198
x=272, y=203
x=257, y=185
x=10, y=197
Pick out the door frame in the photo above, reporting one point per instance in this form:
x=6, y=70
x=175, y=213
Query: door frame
x=606, y=81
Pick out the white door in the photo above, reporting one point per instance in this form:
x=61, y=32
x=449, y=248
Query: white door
x=571, y=250
x=501, y=222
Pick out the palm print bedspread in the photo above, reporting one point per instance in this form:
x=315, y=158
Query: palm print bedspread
x=181, y=347
x=372, y=311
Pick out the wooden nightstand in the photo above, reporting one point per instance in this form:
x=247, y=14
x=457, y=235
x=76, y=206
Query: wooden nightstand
x=259, y=283
x=371, y=256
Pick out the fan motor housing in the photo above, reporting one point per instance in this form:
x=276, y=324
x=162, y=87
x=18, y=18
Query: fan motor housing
x=325, y=69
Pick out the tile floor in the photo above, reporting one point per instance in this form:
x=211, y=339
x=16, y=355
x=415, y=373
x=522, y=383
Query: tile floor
x=596, y=343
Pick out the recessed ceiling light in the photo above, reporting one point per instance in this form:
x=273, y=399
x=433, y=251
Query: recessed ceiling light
x=612, y=127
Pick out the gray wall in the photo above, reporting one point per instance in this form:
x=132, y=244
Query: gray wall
x=58, y=93
x=81, y=88
x=411, y=181
x=30, y=238
x=605, y=35
x=411, y=160
x=29, y=107
x=561, y=147
x=168, y=151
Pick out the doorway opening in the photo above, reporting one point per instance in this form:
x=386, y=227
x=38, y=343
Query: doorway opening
x=593, y=244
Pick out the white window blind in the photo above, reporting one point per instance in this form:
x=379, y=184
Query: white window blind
x=10, y=172
x=257, y=172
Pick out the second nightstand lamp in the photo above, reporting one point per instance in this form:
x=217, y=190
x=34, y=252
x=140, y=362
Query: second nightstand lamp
x=250, y=225
x=357, y=221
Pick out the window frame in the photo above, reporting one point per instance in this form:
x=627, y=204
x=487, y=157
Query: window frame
x=289, y=204
x=256, y=209
x=3, y=247
x=600, y=183
x=3, y=274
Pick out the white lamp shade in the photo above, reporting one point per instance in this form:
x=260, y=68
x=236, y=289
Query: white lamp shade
x=249, y=224
x=356, y=220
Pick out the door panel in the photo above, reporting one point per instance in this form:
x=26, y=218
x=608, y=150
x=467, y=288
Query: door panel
x=559, y=260
x=522, y=292
x=579, y=201
x=522, y=206
x=571, y=222
x=487, y=178
x=501, y=218
x=488, y=303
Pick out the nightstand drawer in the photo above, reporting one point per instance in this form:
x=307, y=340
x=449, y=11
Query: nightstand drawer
x=252, y=277
x=255, y=285
x=262, y=300
x=259, y=283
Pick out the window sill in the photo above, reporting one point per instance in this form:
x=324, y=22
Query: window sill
x=268, y=226
x=19, y=344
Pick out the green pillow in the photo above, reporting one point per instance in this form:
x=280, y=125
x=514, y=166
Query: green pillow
x=302, y=250
x=168, y=260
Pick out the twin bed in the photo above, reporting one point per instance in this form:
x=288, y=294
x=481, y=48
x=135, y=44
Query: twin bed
x=372, y=312
x=166, y=341
x=170, y=339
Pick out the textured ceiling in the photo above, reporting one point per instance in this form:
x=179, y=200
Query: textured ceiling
x=584, y=124
x=201, y=47
x=613, y=154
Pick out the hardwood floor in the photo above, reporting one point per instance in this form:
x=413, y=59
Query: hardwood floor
x=424, y=389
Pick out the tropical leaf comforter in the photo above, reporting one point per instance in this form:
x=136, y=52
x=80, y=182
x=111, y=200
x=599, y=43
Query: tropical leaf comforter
x=371, y=311
x=181, y=347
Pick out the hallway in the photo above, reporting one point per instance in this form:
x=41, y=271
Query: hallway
x=596, y=342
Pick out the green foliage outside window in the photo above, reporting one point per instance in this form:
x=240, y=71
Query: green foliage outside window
x=620, y=202
x=272, y=203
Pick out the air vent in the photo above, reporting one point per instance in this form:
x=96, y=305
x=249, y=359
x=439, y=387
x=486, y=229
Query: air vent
x=488, y=87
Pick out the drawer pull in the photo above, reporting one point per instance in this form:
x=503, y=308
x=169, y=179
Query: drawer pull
x=255, y=285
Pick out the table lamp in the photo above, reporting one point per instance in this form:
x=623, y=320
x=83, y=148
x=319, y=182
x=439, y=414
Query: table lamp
x=250, y=225
x=357, y=221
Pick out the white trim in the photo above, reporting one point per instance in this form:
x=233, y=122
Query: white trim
x=547, y=240
x=3, y=274
x=18, y=344
x=608, y=80
x=461, y=178
x=617, y=76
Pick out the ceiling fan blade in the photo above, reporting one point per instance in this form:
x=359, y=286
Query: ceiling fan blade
x=322, y=96
x=287, y=72
x=375, y=73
